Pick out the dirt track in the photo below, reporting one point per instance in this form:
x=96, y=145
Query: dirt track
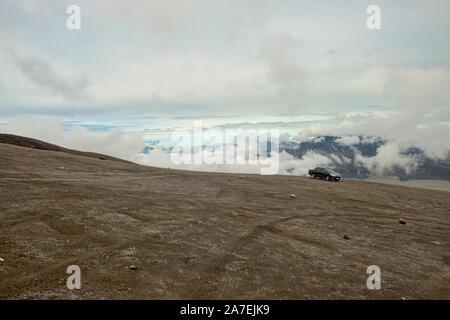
x=205, y=235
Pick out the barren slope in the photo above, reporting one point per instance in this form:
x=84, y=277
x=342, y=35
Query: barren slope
x=207, y=235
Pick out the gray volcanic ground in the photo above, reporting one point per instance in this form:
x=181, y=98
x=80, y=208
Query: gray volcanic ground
x=210, y=235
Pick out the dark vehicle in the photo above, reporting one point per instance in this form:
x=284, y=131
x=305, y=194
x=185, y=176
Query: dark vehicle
x=324, y=173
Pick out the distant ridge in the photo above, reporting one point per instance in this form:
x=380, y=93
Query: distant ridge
x=41, y=145
x=343, y=158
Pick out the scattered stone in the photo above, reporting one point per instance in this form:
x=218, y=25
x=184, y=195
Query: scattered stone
x=403, y=298
x=242, y=177
x=133, y=267
x=436, y=243
x=401, y=221
x=293, y=196
x=102, y=158
x=1, y=259
x=346, y=237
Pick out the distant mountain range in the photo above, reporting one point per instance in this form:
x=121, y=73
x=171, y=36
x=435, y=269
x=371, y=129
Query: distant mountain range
x=345, y=158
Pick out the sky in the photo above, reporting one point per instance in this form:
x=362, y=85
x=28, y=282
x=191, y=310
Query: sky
x=138, y=69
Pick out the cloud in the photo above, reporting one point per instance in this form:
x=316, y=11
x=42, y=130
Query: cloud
x=281, y=53
x=421, y=98
x=366, y=139
x=318, y=139
x=257, y=58
x=288, y=165
x=348, y=140
x=114, y=143
x=203, y=57
x=388, y=156
x=418, y=91
x=300, y=167
x=130, y=147
x=432, y=137
x=44, y=74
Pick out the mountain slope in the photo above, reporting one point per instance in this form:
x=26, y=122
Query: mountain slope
x=41, y=145
x=209, y=235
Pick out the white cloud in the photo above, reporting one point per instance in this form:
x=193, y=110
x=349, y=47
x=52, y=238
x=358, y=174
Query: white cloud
x=318, y=139
x=418, y=91
x=300, y=167
x=348, y=140
x=388, y=156
x=251, y=57
x=130, y=146
x=247, y=58
x=113, y=143
x=287, y=163
x=43, y=74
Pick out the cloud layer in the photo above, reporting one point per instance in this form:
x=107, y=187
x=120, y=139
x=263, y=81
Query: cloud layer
x=220, y=57
x=114, y=143
x=131, y=147
x=258, y=60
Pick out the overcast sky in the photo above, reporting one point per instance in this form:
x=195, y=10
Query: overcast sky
x=256, y=59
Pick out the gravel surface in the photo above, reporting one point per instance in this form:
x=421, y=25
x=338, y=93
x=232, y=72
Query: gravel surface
x=139, y=232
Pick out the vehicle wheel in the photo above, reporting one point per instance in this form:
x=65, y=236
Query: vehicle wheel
x=313, y=176
x=328, y=178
